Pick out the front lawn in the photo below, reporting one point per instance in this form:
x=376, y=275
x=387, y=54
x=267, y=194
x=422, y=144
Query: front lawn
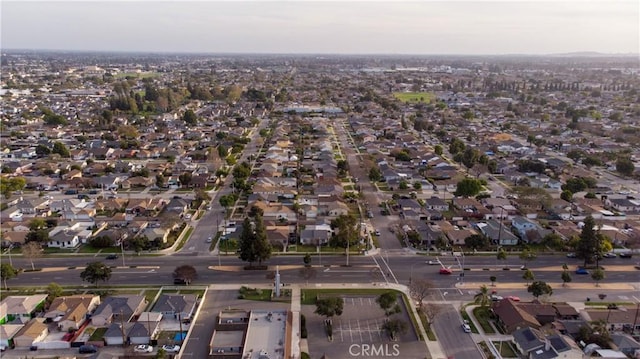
x=505, y=348
x=483, y=316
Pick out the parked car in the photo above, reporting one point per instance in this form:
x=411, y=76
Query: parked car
x=514, y=298
x=466, y=328
x=445, y=271
x=171, y=348
x=571, y=255
x=582, y=271
x=377, y=232
x=87, y=349
x=180, y=281
x=143, y=348
x=3, y=347
x=495, y=297
x=209, y=239
x=112, y=256
x=609, y=255
x=626, y=255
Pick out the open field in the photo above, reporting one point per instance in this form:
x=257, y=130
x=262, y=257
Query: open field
x=426, y=97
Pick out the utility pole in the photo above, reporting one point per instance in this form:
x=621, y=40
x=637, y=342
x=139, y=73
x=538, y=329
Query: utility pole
x=124, y=339
x=122, y=251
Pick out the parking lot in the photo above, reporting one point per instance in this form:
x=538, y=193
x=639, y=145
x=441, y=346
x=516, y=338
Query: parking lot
x=357, y=332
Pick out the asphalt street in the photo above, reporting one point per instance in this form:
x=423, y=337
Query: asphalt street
x=454, y=341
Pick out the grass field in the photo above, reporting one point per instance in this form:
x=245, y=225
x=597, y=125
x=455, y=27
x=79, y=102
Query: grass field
x=426, y=97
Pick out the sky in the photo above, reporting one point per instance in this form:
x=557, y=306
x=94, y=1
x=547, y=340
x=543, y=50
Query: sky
x=324, y=27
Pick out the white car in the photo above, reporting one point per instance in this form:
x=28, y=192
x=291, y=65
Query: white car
x=433, y=262
x=171, y=348
x=465, y=327
x=209, y=240
x=143, y=348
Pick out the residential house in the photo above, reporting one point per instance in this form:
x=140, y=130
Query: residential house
x=497, y=233
x=626, y=344
x=528, y=230
x=617, y=319
x=436, y=204
x=511, y=317
x=20, y=308
x=7, y=332
x=534, y=344
x=177, y=306
x=33, y=332
x=118, y=308
x=69, y=312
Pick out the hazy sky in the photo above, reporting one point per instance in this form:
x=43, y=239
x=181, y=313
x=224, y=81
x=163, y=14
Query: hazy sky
x=353, y=27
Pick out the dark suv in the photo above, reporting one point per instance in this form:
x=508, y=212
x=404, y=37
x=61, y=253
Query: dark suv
x=112, y=256
x=87, y=348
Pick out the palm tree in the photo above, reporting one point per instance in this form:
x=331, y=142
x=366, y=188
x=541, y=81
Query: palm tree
x=482, y=297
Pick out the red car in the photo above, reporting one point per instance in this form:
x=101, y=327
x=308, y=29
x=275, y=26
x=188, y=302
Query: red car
x=445, y=271
x=514, y=298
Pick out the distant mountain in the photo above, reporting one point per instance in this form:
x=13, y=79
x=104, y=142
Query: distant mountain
x=591, y=54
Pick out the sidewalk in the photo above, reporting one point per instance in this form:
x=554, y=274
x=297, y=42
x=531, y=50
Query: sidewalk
x=554, y=285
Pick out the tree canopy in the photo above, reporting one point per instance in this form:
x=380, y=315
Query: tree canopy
x=185, y=272
x=538, y=288
x=7, y=272
x=468, y=187
x=329, y=307
x=95, y=272
x=254, y=246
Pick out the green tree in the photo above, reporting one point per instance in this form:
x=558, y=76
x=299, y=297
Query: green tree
x=61, y=149
x=254, y=245
x=7, y=272
x=597, y=275
x=438, y=150
x=307, y=259
x=456, y=146
x=388, y=301
x=186, y=273
x=95, y=272
x=42, y=150
x=403, y=185
x=566, y=277
x=329, y=307
x=345, y=232
x=374, y=174
x=539, y=288
x=482, y=297
x=37, y=223
x=493, y=279
x=625, y=166
x=468, y=187
x=476, y=241
x=12, y=184
x=527, y=255
x=54, y=290
x=262, y=245
x=587, y=247
x=185, y=179
x=528, y=276
x=567, y=195
x=417, y=186
x=501, y=255
x=470, y=157
x=394, y=327
x=190, y=118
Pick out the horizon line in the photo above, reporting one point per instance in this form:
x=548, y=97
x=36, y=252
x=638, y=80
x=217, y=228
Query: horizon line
x=181, y=52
